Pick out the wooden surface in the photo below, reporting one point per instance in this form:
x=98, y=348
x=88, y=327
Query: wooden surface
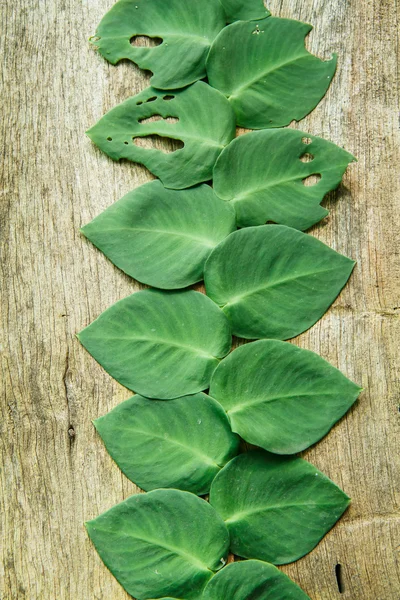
x=55, y=472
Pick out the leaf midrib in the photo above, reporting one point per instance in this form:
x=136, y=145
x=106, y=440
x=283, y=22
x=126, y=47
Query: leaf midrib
x=168, y=343
x=269, y=400
x=243, y=514
x=275, y=284
x=204, y=241
x=188, y=557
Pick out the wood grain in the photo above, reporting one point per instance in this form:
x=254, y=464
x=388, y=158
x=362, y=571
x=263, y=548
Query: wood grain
x=55, y=472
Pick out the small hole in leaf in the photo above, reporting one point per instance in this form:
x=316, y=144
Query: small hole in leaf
x=144, y=41
x=312, y=180
x=307, y=157
x=126, y=143
x=155, y=118
x=109, y=139
x=306, y=140
x=168, y=97
x=339, y=578
x=139, y=103
x=157, y=142
x=152, y=99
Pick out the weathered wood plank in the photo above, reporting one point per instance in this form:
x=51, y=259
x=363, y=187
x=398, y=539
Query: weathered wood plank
x=55, y=473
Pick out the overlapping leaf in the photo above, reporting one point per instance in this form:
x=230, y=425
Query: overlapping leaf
x=164, y=543
x=266, y=73
x=281, y=397
x=252, y=579
x=160, y=344
x=238, y=10
x=276, y=508
x=181, y=443
x=162, y=237
x=185, y=31
x=273, y=281
x=263, y=174
x=202, y=119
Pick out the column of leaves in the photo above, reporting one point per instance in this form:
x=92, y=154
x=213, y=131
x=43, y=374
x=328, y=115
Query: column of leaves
x=170, y=346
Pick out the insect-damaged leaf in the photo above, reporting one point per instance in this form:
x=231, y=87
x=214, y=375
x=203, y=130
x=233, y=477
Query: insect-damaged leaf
x=244, y=10
x=164, y=543
x=273, y=281
x=264, y=175
x=267, y=74
x=202, y=119
x=160, y=344
x=184, y=30
x=276, y=508
x=252, y=579
x=281, y=397
x=181, y=443
x=162, y=237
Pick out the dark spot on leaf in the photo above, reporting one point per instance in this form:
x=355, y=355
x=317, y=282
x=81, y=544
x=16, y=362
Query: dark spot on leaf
x=312, y=180
x=109, y=139
x=139, y=103
x=168, y=97
x=152, y=99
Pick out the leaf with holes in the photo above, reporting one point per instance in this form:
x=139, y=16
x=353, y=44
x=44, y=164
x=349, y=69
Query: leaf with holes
x=281, y=397
x=273, y=281
x=181, y=443
x=252, y=579
x=250, y=10
x=265, y=175
x=267, y=74
x=276, y=508
x=199, y=116
x=164, y=543
x=160, y=344
x=183, y=32
x=162, y=237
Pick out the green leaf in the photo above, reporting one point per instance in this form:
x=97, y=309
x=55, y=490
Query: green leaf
x=181, y=443
x=281, y=397
x=273, y=281
x=252, y=580
x=244, y=10
x=264, y=175
x=267, y=74
x=276, y=508
x=164, y=543
x=186, y=29
x=160, y=344
x=199, y=116
x=162, y=237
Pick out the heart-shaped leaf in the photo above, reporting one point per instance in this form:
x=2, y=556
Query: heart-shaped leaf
x=166, y=542
x=181, y=443
x=162, y=237
x=160, y=344
x=267, y=74
x=199, y=116
x=184, y=31
x=273, y=281
x=265, y=175
x=276, y=508
x=281, y=397
x=252, y=579
x=244, y=10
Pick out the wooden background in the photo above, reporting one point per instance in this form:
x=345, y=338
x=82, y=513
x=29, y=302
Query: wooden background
x=55, y=472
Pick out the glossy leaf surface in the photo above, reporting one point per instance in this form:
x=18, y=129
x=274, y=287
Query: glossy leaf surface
x=181, y=443
x=252, y=579
x=160, y=544
x=280, y=397
x=162, y=237
x=266, y=73
x=276, y=508
x=160, y=344
x=264, y=175
x=186, y=30
x=273, y=281
x=244, y=10
x=199, y=116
